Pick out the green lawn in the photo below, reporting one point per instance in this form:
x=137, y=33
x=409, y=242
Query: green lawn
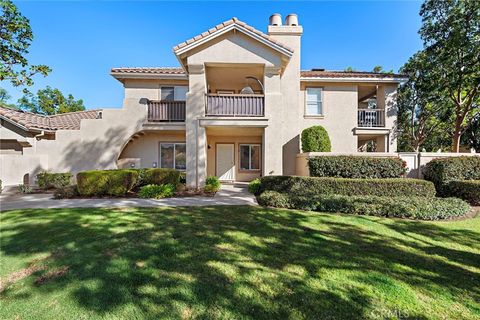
x=235, y=262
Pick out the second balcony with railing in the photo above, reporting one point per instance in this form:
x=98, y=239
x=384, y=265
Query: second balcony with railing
x=371, y=118
x=166, y=111
x=234, y=105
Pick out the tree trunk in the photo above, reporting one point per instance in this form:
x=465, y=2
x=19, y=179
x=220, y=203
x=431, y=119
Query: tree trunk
x=456, y=136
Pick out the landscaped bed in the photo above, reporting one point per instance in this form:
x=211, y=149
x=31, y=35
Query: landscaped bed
x=235, y=262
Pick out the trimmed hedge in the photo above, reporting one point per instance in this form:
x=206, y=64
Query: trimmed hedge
x=106, y=182
x=468, y=190
x=316, y=139
x=254, y=186
x=66, y=192
x=401, y=207
x=356, y=167
x=295, y=185
x=158, y=176
x=443, y=170
x=48, y=180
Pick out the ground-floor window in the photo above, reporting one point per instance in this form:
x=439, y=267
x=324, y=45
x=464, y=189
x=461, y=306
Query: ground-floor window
x=250, y=156
x=173, y=155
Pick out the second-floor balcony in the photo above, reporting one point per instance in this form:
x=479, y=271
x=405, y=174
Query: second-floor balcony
x=166, y=111
x=235, y=105
x=371, y=118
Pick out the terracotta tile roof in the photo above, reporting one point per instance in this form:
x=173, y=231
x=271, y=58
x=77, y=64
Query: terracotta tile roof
x=346, y=74
x=226, y=24
x=65, y=121
x=150, y=70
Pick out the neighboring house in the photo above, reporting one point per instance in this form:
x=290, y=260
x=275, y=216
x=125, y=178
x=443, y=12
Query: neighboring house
x=235, y=108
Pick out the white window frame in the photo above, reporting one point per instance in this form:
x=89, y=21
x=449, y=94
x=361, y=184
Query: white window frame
x=318, y=102
x=174, y=152
x=249, y=145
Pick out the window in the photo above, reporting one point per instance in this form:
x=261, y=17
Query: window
x=167, y=93
x=313, y=101
x=173, y=156
x=250, y=156
x=177, y=93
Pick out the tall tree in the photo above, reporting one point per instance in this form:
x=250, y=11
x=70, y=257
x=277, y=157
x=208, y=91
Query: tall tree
x=15, y=39
x=50, y=101
x=451, y=35
x=471, y=137
x=379, y=69
x=423, y=114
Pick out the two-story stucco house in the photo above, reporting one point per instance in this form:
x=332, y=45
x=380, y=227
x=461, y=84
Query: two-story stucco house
x=235, y=108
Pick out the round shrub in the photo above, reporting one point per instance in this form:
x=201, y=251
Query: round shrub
x=315, y=139
x=443, y=170
x=468, y=190
x=254, y=186
x=212, y=184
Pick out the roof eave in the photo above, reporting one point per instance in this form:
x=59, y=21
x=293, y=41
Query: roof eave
x=240, y=28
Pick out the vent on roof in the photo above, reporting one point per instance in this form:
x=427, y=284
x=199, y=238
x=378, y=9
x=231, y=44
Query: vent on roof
x=318, y=69
x=291, y=20
x=276, y=19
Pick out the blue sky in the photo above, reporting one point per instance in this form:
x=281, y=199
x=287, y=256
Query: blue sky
x=81, y=41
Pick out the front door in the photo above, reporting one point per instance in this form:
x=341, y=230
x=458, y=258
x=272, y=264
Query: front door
x=226, y=161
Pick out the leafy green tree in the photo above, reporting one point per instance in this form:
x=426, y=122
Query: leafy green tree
x=471, y=137
x=349, y=69
x=15, y=39
x=379, y=69
x=50, y=101
x=4, y=98
x=423, y=112
x=451, y=35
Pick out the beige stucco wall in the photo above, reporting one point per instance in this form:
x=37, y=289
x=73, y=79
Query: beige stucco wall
x=236, y=140
x=137, y=89
x=146, y=147
x=14, y=167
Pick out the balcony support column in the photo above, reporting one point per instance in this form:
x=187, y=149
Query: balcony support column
x=196, y=140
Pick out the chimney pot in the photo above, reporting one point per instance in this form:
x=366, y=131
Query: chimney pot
x=291, y=20
x=276, y=19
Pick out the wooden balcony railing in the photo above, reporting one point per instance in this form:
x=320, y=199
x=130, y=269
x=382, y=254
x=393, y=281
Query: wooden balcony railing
x=166, y=111
x=371, y=118
x=235, y=105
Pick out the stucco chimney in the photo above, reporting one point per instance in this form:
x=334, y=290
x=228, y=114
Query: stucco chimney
x=275, y=20
x=291, y=20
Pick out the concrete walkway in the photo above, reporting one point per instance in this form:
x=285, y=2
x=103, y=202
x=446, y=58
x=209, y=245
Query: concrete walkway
x=229, y=194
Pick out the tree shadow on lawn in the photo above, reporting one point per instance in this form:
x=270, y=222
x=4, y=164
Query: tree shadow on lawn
x=237, y=262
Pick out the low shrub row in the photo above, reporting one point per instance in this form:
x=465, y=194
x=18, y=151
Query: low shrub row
x=157, y=191
x=295, y=185
x=401, y=207
x=356, y=167
x=468, y=190
x=106, y=182
x=48, y=180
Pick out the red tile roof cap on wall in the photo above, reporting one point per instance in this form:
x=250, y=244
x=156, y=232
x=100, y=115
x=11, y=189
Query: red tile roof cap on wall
x=346, y=74
x=225, y=24
x=149, y=70
x=33, y=121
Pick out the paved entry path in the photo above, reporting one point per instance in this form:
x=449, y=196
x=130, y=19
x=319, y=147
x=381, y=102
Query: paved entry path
x=229, y=194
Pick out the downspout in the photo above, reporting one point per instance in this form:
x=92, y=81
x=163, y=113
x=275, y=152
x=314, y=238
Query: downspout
x=196, y=153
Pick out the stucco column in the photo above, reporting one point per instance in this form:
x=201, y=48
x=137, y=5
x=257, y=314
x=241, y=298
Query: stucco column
x=195, y=135
x=391, y=115
x=273, y=135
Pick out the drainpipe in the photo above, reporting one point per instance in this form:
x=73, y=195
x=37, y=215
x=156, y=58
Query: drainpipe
x=196, y=152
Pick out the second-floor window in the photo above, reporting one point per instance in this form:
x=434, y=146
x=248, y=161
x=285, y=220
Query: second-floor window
x=313, y=102
x=177, y=93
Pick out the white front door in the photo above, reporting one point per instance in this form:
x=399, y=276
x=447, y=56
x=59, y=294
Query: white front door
x=226, y=161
